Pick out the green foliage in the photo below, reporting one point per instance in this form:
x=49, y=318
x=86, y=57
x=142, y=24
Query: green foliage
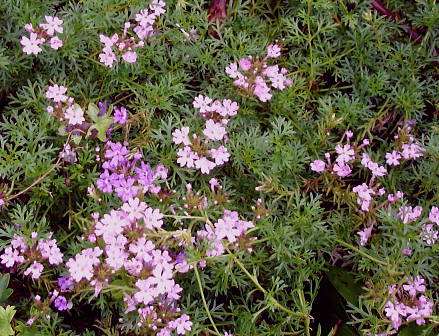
x=351, y=67
x=5, y=292
x=6, y=316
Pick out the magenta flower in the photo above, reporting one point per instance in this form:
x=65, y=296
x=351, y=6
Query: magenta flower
x=120, y=115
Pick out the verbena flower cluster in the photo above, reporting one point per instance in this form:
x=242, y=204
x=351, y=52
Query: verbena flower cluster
x=125, y=44
x=372, y=195
x=32, y=252
x=96, y=217
x=45, y=33
x=206, y=152
x=408, y=303
x=126, y=174
x=256, y=77
x=65, y=109
x=127, y=243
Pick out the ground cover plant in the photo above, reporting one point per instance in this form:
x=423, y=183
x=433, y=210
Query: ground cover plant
x=219, y=167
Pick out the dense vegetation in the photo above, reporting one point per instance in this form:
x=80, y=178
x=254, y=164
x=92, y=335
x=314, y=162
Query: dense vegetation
x=162, y=181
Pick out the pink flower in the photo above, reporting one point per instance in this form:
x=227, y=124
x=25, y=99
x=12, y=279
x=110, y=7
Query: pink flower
x=202, y=103
x=181, y=136
x=130, y=56
x=182, y=324
x=393, y=314
x=153, y=218
x=273, y=51
x=35, y=269
x=220, y=155
x=318, y=166
x=11, y=256
x=204, y=165
x=342, y=170
x=415, y=286
x=57, y=93
x=232, y=70
x=245, y=64
x=429, y=234
x=186, y=157
x=409, y=214
x=74, y=114
x=345, y=153
x=108, y=41
x=134, y=208
x=120, y=115
x=393, y=158
x=31, y=45
x=365, y=235
x=412, y=151
x=53, y=25
x=55, y=43
x=214, y=131
x=108, y=57
x=434, y=215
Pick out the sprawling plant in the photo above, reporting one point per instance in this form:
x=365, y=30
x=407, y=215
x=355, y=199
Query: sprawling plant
x=219, y=168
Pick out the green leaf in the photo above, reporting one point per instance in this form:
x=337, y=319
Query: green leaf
x=101, y=124
x=76, y=139
x=118, y=294
x=24, y=330
x=345, y=284
x=415, y=330
x=93, y=112
x=6, y=316
x=5, y=292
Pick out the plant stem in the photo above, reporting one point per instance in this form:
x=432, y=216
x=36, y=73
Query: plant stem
x=200, y=286
x=263, y=290
x=364, y=254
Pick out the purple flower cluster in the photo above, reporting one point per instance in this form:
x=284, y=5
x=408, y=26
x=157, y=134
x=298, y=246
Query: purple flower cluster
x=228, y=230
x=34, y=251
x=408, y=303
x=45, y=33
x=127, y=175
x=200, y=153
x=124, y=45
x=256, y=77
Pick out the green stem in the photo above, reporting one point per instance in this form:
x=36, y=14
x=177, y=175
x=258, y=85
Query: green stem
x=364, y=254
x=197, y=275
x=263, y=290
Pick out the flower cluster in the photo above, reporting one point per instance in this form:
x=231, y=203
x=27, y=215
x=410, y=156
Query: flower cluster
x=430, y=227
x=349, y=153
x=196, y=151
x=122, y=245
x=34, y=251
x=125, y=45
x=126, y=174
x=44, y=34
x=65, y=109
x=408, y=303
x=367, y=194
x=257, y=78
x=228, y=230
